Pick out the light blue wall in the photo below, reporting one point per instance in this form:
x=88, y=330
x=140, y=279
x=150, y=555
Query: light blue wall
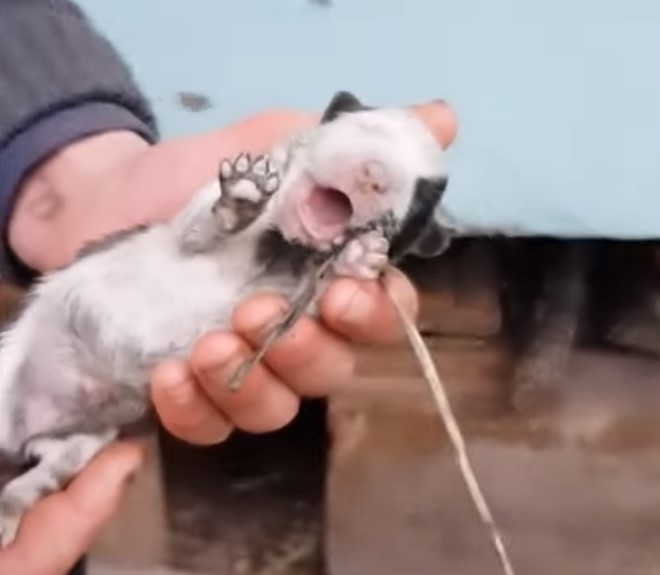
x=559, y=100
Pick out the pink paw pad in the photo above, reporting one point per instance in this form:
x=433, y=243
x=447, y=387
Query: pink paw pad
x=372, y=178
x=364, y=257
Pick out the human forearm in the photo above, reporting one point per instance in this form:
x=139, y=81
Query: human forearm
x=67, y=200
x=61, y=82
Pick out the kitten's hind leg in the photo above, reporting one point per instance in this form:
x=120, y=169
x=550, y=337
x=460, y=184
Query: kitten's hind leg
x=229, y=204
x=58, y=461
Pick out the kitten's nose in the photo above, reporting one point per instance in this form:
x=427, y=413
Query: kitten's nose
x=372, y=178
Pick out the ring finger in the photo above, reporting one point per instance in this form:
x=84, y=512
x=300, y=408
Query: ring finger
x=309, y=358
x=262, y=404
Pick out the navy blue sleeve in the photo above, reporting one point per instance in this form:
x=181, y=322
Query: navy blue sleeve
x=60, y=80
x=32, y=146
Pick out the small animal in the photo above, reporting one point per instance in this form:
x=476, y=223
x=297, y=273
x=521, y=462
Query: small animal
x=363, y=184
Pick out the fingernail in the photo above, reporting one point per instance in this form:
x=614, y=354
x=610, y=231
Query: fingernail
x=224, y=358
x=353, y=304
x=438, y=102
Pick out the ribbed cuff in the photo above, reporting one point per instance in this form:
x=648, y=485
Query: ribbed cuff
x=51, y=58
x=35, y=145
x=60, y=80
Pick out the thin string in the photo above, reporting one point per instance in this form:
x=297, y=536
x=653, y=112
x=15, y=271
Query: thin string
x=456, y=437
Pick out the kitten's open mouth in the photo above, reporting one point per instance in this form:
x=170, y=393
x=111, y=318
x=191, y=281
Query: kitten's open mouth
x=325, y=213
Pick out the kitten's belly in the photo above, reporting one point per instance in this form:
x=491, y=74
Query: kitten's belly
x=132, y=307
x=162, y=308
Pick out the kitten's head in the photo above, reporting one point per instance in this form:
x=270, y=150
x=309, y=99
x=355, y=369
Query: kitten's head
x=363, y=164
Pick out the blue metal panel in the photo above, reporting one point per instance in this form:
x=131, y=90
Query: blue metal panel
x=559, y=101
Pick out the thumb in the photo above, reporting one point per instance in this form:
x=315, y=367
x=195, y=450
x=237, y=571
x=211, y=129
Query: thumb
x=62, y=527
x=258, y=133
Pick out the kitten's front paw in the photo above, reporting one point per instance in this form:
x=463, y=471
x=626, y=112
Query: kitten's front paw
x=10, y=521
x=246, y=186
x=364, y=257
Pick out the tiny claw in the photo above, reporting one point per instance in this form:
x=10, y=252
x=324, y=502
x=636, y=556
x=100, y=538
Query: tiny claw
x=260, y=166
x=272, y=183
x=242, y=164
x=9, y=526
x=225, y=169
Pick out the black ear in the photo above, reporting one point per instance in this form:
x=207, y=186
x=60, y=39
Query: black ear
x=420, y=233
x=433, y=241
x=342, y=102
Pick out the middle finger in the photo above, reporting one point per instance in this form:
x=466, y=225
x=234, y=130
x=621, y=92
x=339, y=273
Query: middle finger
x=310, y=359
x=262, y=404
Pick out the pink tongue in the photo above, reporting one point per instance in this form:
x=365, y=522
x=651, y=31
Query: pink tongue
x=329, y=207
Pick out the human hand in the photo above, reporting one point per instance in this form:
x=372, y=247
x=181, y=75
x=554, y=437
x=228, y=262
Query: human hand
x=115, y=181
x=313, y=359
x=59, y=530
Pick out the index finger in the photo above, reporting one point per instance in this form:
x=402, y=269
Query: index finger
x=361, y=310
x=440, y=119
x=261, y=131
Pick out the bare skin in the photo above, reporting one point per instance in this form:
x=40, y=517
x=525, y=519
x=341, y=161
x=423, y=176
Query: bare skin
x=62, y=527
x=113, y=181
